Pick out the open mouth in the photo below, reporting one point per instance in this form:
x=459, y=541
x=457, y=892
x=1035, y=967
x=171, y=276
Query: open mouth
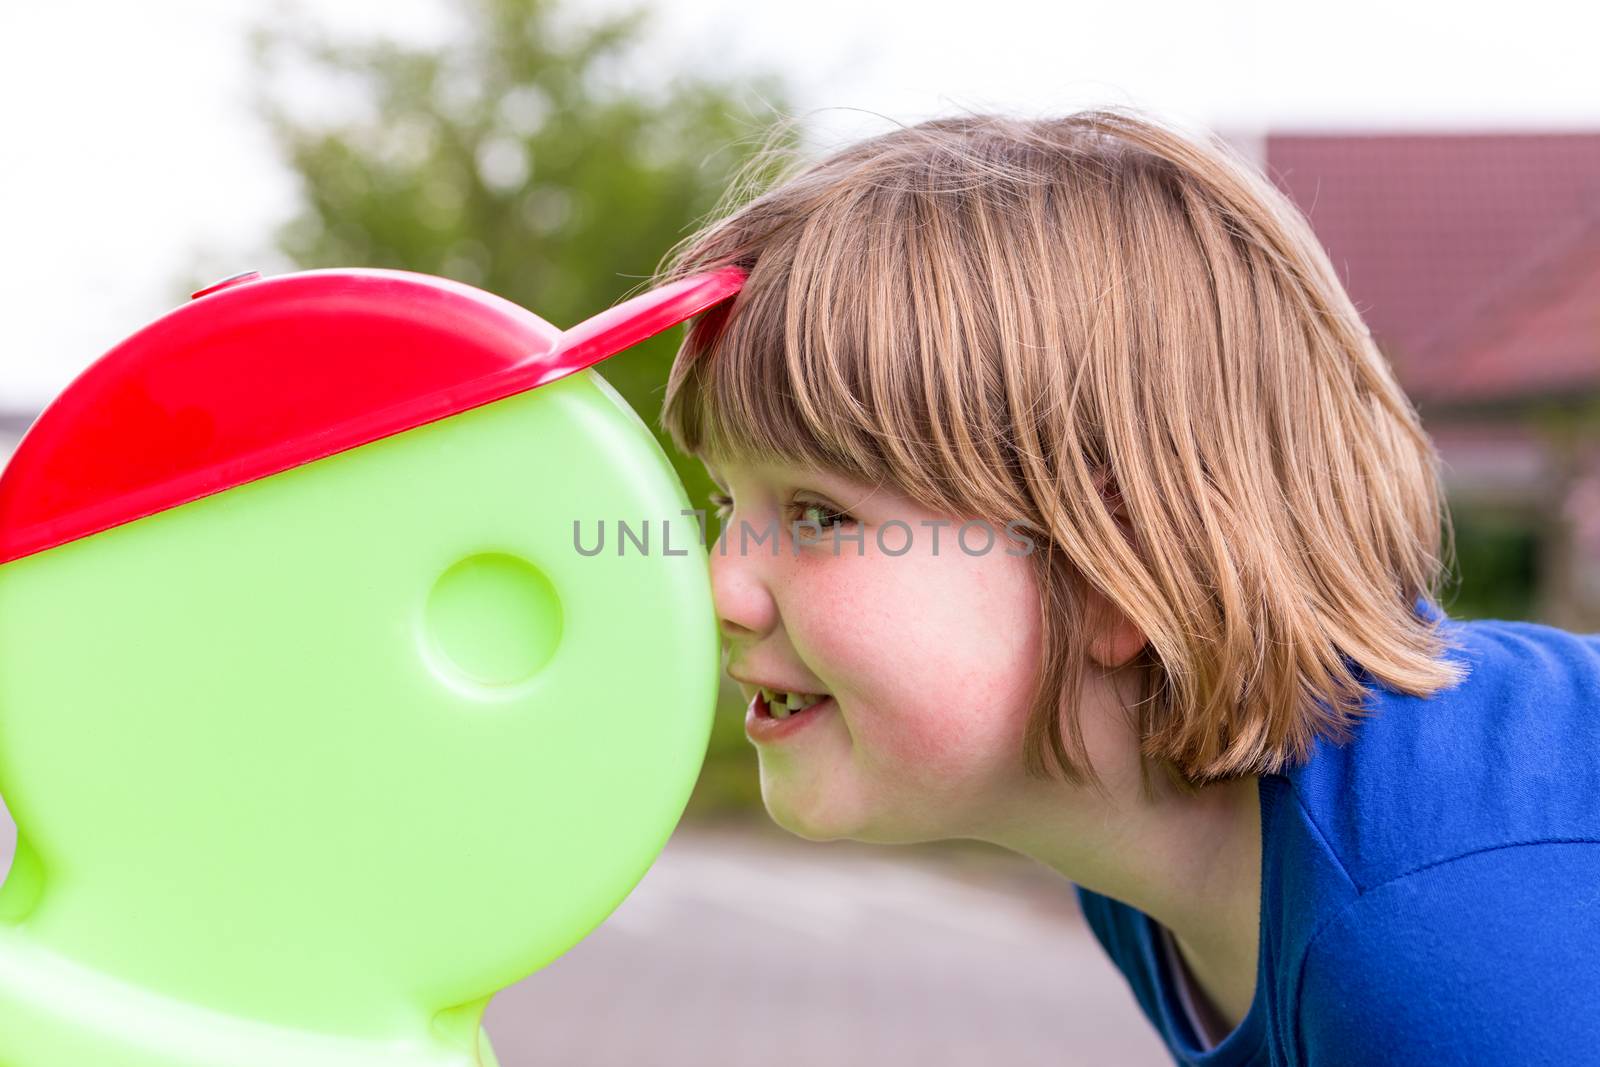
x=778, y=704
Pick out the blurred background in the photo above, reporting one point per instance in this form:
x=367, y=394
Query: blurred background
x=551, y=151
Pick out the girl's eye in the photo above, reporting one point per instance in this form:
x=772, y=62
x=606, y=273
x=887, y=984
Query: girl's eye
x=824, y=517
x=809, y=512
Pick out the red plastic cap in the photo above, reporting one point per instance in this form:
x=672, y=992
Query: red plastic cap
x=232, y=279
x=265, y=374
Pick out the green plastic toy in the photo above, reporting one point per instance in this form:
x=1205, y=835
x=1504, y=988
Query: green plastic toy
x=317, y=727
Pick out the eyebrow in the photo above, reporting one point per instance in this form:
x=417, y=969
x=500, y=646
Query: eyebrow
x=840, y=491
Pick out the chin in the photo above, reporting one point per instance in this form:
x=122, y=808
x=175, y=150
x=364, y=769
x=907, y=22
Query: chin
x=806, y=833
x=808, y=829
x=804, y=820
x=811, y=826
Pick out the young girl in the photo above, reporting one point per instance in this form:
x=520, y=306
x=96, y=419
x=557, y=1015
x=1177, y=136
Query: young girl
x=1071, y=507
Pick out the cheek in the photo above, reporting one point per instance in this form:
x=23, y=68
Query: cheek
x=934, y=657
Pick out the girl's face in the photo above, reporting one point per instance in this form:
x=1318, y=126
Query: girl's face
x=927, y=645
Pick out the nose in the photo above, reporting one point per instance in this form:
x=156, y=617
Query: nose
x=746, y=611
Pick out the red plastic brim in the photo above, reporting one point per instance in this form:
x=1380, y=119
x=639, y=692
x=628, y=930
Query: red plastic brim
x=166, y=418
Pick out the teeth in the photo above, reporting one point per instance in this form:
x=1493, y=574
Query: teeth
x=782, y=704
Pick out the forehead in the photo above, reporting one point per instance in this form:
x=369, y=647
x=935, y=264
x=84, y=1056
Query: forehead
x=778, y=472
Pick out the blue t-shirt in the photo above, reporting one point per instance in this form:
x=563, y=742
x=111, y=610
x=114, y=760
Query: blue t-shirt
x=1430, y=890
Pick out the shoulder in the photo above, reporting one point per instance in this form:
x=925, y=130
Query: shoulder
x=1509, y=754
x=1488, y=957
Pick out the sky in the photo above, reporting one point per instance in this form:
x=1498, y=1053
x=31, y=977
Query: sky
x=128, y=155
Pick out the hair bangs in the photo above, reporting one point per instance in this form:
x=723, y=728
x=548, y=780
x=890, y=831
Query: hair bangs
x=805, y=365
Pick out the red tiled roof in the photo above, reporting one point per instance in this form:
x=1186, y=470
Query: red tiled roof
x=1426, y=229
x=1538, y=333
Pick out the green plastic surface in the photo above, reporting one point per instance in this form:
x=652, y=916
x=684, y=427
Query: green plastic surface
x=307, y=770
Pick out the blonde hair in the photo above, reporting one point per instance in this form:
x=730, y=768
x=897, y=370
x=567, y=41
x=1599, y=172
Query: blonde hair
x=1047, y=320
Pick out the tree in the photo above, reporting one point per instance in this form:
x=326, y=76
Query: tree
x=517, y=158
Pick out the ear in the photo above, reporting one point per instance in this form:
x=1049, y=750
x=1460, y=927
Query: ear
x=1119, y=642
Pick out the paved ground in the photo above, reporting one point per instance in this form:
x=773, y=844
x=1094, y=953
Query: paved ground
x=746, y=946
x=758, y=948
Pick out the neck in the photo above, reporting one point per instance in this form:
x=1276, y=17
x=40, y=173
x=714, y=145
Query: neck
x=1190, y=862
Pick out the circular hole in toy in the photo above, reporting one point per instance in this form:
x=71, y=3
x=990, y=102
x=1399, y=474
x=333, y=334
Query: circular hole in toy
x=493, y=620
